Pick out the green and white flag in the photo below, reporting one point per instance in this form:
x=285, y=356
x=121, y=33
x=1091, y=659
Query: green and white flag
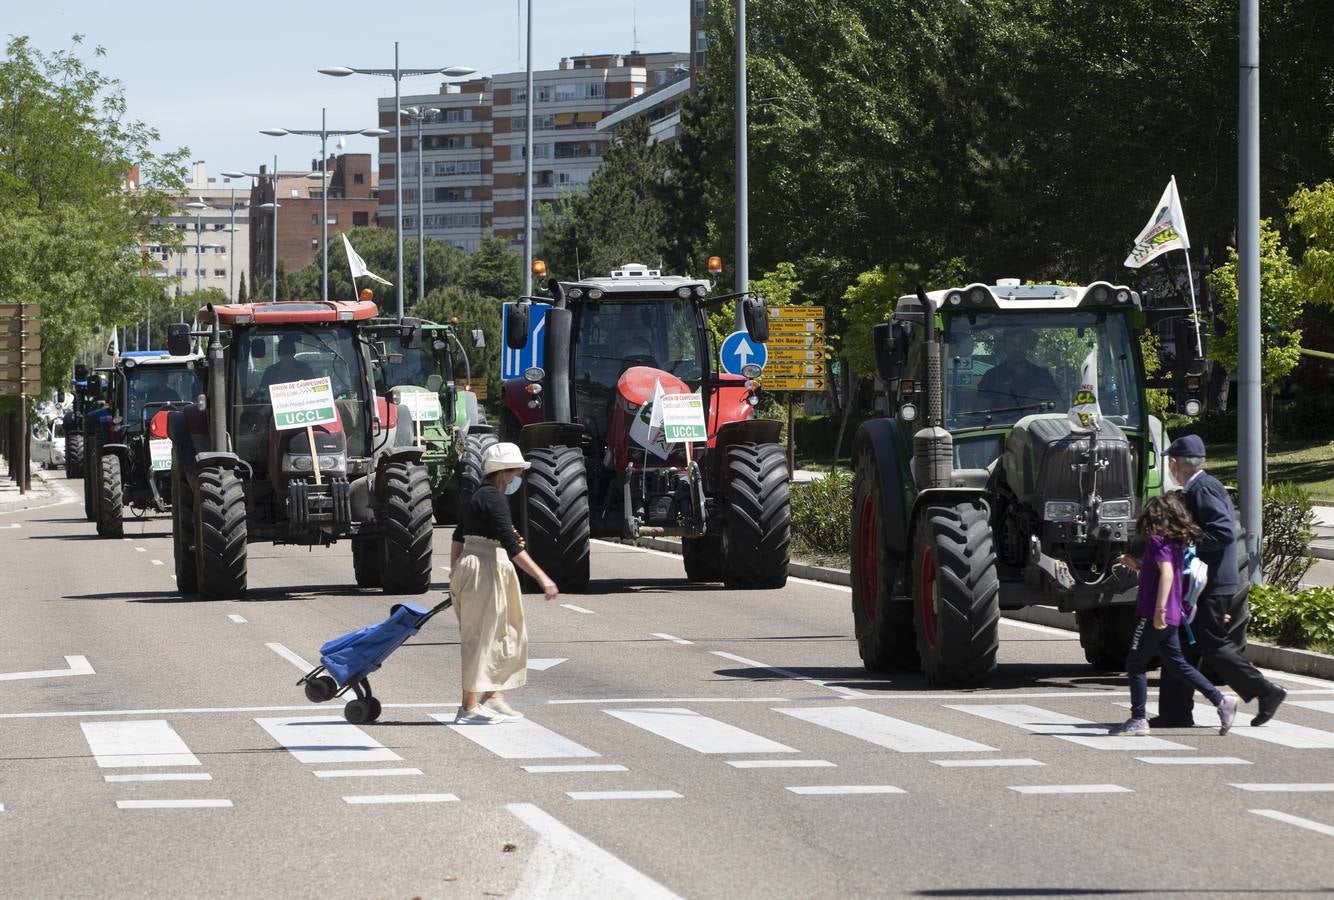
x=1165, y=231
x=1085, y=413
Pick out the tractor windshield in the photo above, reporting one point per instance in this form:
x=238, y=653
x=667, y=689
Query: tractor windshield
x=157, y=384
x=613, y=336
x=1000, y=367
x=414, y=367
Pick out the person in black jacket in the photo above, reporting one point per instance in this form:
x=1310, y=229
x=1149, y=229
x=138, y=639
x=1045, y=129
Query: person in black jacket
x=1220, y=623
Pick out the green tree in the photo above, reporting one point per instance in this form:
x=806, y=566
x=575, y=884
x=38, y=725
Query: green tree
x=494, y=270
x=1312, y=211
x=240, y=289
x=473, y=311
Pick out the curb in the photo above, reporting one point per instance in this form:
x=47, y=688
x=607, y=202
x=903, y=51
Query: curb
x=43, y=493
x=1282, y=659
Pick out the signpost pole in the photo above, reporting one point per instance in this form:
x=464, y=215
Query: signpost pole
x=314, y=452
x=791, y=442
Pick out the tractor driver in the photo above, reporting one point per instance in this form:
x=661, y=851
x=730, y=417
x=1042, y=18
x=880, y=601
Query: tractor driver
x=1016, y=382
x=151, y=385
x=285, y=366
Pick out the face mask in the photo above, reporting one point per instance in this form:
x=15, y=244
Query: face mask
x=514, y=484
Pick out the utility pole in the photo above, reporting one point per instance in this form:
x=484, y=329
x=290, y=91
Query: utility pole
x=742, y=187
x=528, y=168
x=1249, y=448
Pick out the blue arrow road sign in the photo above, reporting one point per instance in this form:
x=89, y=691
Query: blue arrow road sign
x=739, y=352
x=514, y=362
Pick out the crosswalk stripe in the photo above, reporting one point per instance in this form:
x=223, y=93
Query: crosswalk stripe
x=371, y=799
x=576, y=767
x=780, y=764
x=1070, y=789
x=818, y=790
x=885, y=731
x=364, y=773
x=623, y=795
x=326, y=739
x=787, y=673
x=1287, y=788
x=1194, y=760
x=697, y=731
x=985, y=763
x=1309, y=825
x=518, y=739
x=1067, y=728
x=150, y=742
x=1285, y=734
x=173, y=804
x=159, y=776
x=1318, y=705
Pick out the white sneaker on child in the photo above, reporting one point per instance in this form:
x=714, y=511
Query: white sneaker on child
x=1130, y=727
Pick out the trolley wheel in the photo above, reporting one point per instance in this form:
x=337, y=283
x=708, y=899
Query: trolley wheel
x=358, y=711
x=376, y=709
x=320, y=688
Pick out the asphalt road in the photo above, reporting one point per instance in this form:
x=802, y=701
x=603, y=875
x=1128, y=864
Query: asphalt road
x=679, y=740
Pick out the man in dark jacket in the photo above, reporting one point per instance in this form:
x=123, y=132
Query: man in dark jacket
x=1220, y=623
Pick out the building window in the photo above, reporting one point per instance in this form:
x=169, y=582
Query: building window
x=700, y=6
x=180, y=273
x=358, y=178
x=333, y=218
x=452, y=195
x=701, y=41
x=219, y=273
x=360, y=218
x=314, y=218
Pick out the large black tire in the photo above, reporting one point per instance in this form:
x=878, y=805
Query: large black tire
x=757, y=527
x=408, y=537
x=368, y=561
x=110, y=497
x=956, y=594
x=470, y=466
x=220, y=534
x=91, y=471
x=1105, y=636
x=703, y=557
x=73, y=454
x=556, y=491
x=183, y=529
x=886, y=638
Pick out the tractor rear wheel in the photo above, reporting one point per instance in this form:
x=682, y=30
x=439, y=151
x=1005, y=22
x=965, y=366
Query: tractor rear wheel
x=368, y=561
x=110, y=497
x=556, y=489
x=407, y=525
x=956, y=594
x=886, y=639
x=91, y=471
x=470, y=466
x=703, y=557
x=73, y=454
x=1105, y=636
x=183, y=529
x=758, y=525
x=220, y=534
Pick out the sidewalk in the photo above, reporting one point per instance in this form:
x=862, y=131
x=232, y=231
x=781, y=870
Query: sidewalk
x=1323, y=545
x=43, y=493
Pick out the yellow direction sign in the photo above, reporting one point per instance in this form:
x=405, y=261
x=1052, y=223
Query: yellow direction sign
x=30, y=341
x=21, y=373
x=796, y=354
x=20, y=357
x=796, y=326
x=20, y=310
x=793, y=383
x=796, y=312
x=810, y=341
x=17, y=389
x=772, y=368
x=478, y=387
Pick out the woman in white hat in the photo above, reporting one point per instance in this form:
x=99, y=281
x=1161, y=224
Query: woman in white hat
x=492, y=638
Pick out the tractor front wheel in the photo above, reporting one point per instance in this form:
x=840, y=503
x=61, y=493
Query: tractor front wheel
x=956, y=594
x=470, y=476
x=556, y=489
x=703, y=557
x=90, y=473
x=73, y=454
x=220, y=535
x=883, y=624
x=183, y=529
x=758, y=525
x=368, y=561
x=1105, y=635
x=407, y=537
x=110, y=497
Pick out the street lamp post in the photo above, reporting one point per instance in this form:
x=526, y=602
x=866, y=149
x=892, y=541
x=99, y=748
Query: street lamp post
x=323, y=133
x=198, y=206
x=268, y=207
x=528, y=165
x=420, y=116
x=397, y=73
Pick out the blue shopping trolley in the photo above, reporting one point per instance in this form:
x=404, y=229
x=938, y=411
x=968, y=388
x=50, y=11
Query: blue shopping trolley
x=345, y=662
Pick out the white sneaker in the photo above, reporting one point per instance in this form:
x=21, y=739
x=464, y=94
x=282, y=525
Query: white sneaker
x=498, y=706
x=478, y=715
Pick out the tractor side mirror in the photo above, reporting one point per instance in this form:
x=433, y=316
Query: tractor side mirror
x=259, y=348
x=755, y=315
x=178, y=339
x=437, y=345
x=381, y=350
x=80, y=372
x=1192, y=367
x=516, y=325
x=889, y=342
x=434, y=382
x=412, y=334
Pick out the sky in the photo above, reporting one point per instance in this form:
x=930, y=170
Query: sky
x=208, y=77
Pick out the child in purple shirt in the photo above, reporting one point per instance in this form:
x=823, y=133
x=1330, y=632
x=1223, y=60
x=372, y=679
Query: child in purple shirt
x=1169, y=529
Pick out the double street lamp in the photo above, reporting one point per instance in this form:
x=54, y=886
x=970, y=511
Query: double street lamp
x=198, y=206
x=419, y=115
x=397, y=73
x=323, y=133
x=267, y=207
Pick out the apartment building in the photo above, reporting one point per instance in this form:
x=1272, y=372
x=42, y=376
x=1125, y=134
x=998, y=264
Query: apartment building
x=215, y=239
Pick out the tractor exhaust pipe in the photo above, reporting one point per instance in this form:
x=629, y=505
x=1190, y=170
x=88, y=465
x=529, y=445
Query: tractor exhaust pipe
x=217, y=387
x=933, y=446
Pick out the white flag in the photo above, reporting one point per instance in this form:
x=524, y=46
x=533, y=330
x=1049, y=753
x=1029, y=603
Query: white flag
x=1085, y=413
x=358, y=265
x=655, y=417
x=1166, y=230
x=646, y=428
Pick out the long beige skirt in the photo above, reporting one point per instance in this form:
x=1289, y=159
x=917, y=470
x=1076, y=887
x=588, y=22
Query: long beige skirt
x=492, y=637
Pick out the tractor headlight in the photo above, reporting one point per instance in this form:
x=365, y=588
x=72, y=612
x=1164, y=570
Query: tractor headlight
x=1192, y=407
x=300, y=463
x=1060, y=511
x=1114, y=510
x=331, y=463
x=683, y=293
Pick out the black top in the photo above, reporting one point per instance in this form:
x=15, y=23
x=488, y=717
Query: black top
x=1022, y=385
x=487, y=514
x=1209, y=505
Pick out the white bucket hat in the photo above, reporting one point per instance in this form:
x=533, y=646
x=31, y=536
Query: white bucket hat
x=499, y=457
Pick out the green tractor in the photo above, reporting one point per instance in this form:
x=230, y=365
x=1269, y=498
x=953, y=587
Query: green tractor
x=447, y=423
x=1017, y=455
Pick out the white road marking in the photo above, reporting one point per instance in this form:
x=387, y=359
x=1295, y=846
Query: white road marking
x=1317, y=827
x=14, y=525
x=290, y=656
x=1067, y=728
x=326, y=739
x=1292, y=788
x=786, y=673
x=566, y=864
x=885, y=731
x=780, y=764
x=985, y=763
x=1285, y=734
x=1194, y=760
x=672, y=638
x=1318, y=705
x=160, y=776
x=602, y=700
x=77, y=665
x=156, y=562
x=585, y=767
x=578, y=609
x=697, y=731
x=148, y=743
x=2, y=807
x=817, y=790
x=140, y=550
x=541, y=665
x=369, y=799
x=1300, y=679
x=518, y=739
x=1070, y=789
x=172, y=804
x=239, y=620
x=623, y=795
x=1041, y=629
x=363, y=773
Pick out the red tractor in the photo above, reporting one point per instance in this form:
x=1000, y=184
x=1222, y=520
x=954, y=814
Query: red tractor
x=599, y=466
x=292, y=445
